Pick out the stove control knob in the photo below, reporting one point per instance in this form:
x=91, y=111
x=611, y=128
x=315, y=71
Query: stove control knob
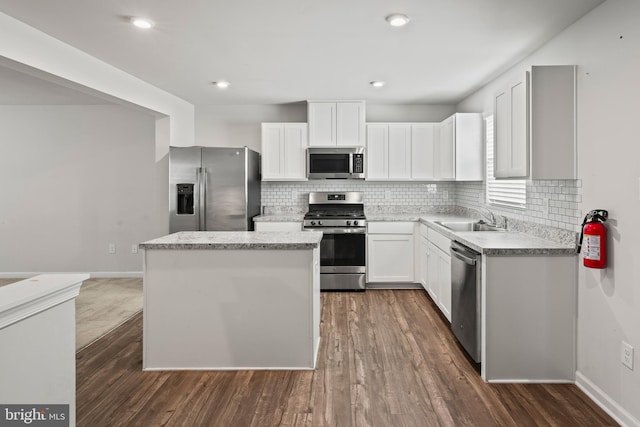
x=319, y=222
x=313, y=223
x=355, y=222
x=348, y=222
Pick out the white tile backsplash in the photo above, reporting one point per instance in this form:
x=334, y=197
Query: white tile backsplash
x=563, y=208
x=555, y=203
x=294, y=195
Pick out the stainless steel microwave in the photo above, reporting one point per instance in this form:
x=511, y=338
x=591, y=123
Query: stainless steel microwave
x=335, y=163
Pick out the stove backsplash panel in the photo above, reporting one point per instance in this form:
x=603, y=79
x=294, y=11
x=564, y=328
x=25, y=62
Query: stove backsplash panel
x=292, y=197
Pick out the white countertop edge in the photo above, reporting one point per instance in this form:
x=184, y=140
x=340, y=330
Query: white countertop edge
x=231, y=240
x=477, y=240
x=34, y=295
x=537, y=245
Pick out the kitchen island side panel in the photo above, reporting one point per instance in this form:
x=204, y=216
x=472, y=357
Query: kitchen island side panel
x=230, y=309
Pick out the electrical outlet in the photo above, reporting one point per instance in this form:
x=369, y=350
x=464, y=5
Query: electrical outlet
x=294, y=194
x=627, y=355
x=134, y=248
x=445, y=195
x=112, y=248
x=387, y=195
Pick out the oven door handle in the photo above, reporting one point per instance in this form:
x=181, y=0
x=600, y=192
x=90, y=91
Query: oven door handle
x=337, y=230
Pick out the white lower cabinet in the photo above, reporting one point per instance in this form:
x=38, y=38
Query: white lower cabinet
x=423, y=255
x=390, y=250
x=438, y=273
x=278, y=226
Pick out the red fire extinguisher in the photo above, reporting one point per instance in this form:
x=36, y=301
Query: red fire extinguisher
x=594, y=234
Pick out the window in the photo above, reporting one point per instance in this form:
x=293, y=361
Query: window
x=505, y=192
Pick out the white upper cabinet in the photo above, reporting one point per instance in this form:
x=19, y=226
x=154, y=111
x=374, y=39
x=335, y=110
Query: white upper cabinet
x=534, y=125
x=388, y=154
x=377, y=149
x=399, y=151
x=459, y=152
x=510, y=124
x=336, y=124
x=449, y=150
x=284, y=151
x=446, y=150
x=553, y=122
x=468, y=134
x=423, y=146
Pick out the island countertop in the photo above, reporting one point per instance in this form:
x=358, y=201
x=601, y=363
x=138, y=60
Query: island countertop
x=236, y=240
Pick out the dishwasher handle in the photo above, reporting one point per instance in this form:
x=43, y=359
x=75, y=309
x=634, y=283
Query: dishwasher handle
x=461, y=254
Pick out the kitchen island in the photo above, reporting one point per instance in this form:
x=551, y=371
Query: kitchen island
x=231, y=300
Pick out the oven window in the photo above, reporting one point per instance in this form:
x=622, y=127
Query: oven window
x=329, y=163
x=343, y=250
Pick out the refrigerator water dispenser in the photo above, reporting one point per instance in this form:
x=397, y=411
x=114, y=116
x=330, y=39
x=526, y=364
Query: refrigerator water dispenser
x=185, y=199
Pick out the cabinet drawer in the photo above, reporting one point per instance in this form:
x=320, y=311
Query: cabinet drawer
x=390, y=227
x=424, y=231
x=439, y=240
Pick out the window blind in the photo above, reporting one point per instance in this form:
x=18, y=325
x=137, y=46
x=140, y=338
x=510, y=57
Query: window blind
x=506, y=192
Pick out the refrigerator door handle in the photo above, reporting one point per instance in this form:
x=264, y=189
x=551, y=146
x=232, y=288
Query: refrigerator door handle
x=203, y=199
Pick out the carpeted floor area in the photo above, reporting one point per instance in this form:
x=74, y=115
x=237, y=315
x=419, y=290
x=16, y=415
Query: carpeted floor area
x=102, y=305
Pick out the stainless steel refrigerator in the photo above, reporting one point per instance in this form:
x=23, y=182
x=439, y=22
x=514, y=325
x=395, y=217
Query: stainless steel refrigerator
x=213, y=188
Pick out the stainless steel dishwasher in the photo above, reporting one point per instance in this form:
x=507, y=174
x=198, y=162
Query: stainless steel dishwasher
x=465, y=297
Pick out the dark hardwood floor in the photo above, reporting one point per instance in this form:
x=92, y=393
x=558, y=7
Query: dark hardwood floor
x=387, y=358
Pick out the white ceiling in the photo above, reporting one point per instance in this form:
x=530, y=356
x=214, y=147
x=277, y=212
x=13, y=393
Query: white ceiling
x=282, y=51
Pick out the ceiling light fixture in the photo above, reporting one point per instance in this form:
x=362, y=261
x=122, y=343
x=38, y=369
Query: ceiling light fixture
x=397, y=20
x=143, y=23
x=377, y=84
x=222, y=84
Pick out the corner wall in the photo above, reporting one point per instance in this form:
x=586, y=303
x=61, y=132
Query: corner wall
x=76, y=178
x=605, y=44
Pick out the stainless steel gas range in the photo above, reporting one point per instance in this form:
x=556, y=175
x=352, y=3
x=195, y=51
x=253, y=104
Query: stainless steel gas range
x=340, y=217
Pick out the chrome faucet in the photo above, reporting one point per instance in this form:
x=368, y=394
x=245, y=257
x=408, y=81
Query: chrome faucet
x=489, y=215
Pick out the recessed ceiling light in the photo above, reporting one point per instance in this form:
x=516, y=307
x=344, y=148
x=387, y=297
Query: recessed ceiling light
x=142, y=23
x=222, y=84
x=377, y=83
x=397, y=20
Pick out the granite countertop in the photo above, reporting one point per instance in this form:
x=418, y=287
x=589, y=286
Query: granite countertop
x=509, y=242
x=288, y=217
x=486, y=242
x=236, y=240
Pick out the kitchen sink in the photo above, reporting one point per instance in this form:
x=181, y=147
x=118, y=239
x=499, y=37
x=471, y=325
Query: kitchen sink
x=469, y=226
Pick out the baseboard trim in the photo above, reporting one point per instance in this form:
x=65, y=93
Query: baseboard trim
x=610, y=406
x=525, y=381
x=95, y=274
x=393, y=285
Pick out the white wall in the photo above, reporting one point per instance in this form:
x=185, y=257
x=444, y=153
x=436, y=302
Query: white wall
x=408, y=113
x=74, y=179
x=239, y=125
x=605, y=45
x=29, y=50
